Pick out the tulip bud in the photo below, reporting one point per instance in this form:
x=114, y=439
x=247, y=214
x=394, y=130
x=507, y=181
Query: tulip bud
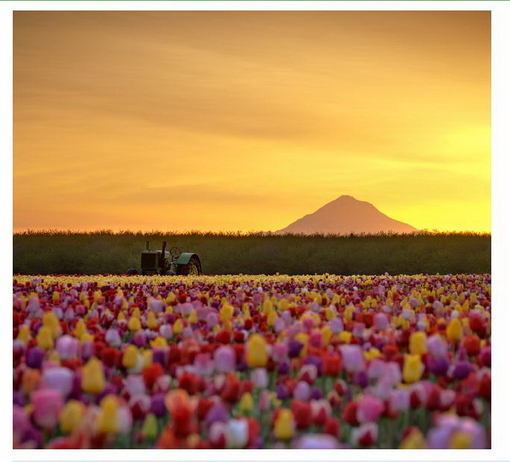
x=284, y=425
x=130, y=358
x=454, y=330
x=256, y=353
x=413, y=368
x=108, y=418
x=93, y=380
x=71, y=416
x=418, y=343
x=150, y=427
x=44, y=338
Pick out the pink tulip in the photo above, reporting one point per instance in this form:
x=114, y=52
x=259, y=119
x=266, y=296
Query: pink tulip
x=370, y=409
x=47, y=406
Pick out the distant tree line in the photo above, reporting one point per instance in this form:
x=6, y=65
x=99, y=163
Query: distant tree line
x=105, y=251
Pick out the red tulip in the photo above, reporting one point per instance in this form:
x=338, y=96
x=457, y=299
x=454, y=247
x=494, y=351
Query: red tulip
x=350, y=414
x=302, y=412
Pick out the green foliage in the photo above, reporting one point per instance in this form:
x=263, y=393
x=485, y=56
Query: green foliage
x=67, y=252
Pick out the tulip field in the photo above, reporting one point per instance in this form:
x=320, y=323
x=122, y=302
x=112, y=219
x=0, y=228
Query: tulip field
x=212, y=362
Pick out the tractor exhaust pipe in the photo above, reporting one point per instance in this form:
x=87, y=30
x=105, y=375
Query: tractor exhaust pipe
x=147, y=245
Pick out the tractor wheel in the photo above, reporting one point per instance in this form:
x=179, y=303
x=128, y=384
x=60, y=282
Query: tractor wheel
x=193, y=268
x=132, y=271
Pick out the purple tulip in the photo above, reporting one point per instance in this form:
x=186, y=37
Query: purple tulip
x=302, y=391
x=361, y=378
x=358, y=329
x=316, y=393
x=217, y=413
x=58, y=378
x=283, y=368
x=157, y=306
x=317, y=441
x=282, y=391
x=461, y=370
x=166, y=331
x=35, y=356
x=159, y=356
x=399, y=400
x=295, y=347
x=112, y=337
x=225, y=359
x=87, y=350
x=376, y=369
x=336, y=325
x=67, y=347
x=212, y=320
x=352, y=356
x=158, y=407
x=381, y=321
x=438, y=365
x=134, y=385
x=140, y=339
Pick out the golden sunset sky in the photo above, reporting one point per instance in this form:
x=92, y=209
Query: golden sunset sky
x=246, y=121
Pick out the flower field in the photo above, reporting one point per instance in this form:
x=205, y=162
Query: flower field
x=252, y=361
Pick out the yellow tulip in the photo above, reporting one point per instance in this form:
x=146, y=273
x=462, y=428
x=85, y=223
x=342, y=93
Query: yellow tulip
x=271, y=318
x=226, y=312
x=130, y=357
x=246, y=403
x=24, y=334
x=50, y=320
x=80, y=329
x=71, y=415
x=152, y=321
x=44, y=338
x=284, y=425
x=413, y=368
x=193, y=317
x=345, y=336
x=415, y=440
x=256, y=353
x=372, y=354
x=134, y=324
x=93, y=380
x=460, y=440
x=159, y=342
x=108, y=417
x=454, y=330
x=178, y=326
x=326, y=333
x=418, y=343
x=147, y=358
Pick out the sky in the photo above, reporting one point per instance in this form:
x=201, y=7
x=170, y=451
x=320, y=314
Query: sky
x=247, y=121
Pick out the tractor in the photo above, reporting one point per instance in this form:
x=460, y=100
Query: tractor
x=168, y=262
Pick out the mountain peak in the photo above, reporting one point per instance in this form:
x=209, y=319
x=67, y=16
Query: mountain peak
x=346, y=215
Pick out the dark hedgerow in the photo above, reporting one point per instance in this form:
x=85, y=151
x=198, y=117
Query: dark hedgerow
x=105, y=251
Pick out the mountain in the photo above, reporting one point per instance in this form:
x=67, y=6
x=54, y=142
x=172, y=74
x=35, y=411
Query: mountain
x=347, y=215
